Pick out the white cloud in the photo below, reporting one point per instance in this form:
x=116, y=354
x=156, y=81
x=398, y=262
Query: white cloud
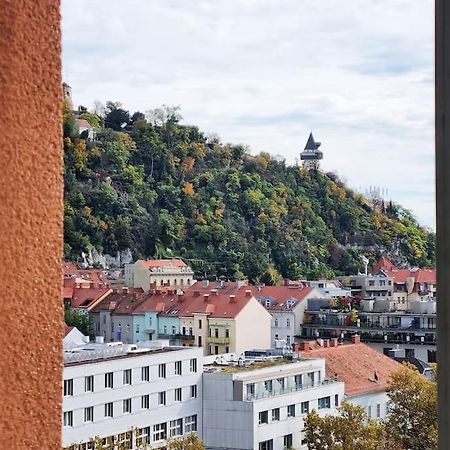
x=358, y=73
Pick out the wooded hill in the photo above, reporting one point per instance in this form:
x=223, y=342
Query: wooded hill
x=164, y=189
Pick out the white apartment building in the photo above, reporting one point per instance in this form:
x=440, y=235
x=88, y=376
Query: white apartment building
x=262, y=405
x=131, y=394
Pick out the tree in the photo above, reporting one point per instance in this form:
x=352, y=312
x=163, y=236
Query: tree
x=116, y=117
x=412, y=414
x=189, y=442
x=350, y=430
x=79, y=320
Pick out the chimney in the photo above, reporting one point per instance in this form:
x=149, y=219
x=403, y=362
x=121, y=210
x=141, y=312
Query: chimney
x=326, y=342
x=205, y=283
x=125, y=290
x=214, y=292
x=205, y=297
x=157, y=291
x=333, y=342
x=356, y=339
x=286, y=281
x=196, y=293
x=180, y=297
x=302, y=346
x=232, y=298
x=248, y=293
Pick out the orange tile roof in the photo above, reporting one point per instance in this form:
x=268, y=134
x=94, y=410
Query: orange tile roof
x=281, y=294
x=67, y=329
x=83, y=123
x=152, y=263
x=356, y=365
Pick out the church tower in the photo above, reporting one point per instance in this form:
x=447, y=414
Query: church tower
x=311, y=155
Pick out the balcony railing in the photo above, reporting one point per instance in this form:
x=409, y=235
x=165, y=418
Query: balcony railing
x=369, y=326
x=218, y=340
x=178, y=336
x=289, y=390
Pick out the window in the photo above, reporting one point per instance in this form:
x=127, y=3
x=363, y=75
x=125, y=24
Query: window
x=68, y=387
x=298, y=381
x=200, y=324
x=369, y=411
x=145, y=373
x=137, y=328
x=194, y=391
x=109, y=410
x=281, y=382
x=174, y=329
x=145, y=401
x=266, y=445
x=68, y=418
x=287, y=441
x=304, y=407
x=378, y=410
x=288, y=339
x=311, y=378
x=162, y=371
x=336, y=400
x=216, y=332
x=142, y=436
x=178, y=368
x=190, y=424
x=276, y=337
x=276, y=323
x=165, y=329
x=250, y=389
x=268, y=385
x=263, y=417
x=176, y=427
x=275, y=415
x=216, y=350
x=200, y=341
x=89, y=414
x=227, y=333
x=227, y=349
x=288, y=322
x=126, y=406
x=89, y=383
x=178, y=395
x=291, y=411
x=324, y=403
x=161, y=398
x=109, y=384
x=371, y=283
x=193, y=365
x=127, y=376
x=159, y=432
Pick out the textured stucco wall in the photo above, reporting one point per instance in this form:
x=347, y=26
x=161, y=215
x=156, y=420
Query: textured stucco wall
x=30, y=225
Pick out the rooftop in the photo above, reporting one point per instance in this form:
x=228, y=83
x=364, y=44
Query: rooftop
x=362, y=368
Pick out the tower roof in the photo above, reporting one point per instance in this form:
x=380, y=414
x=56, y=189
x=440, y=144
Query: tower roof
x=311, y=144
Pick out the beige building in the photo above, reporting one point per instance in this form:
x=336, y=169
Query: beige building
x=158, y=272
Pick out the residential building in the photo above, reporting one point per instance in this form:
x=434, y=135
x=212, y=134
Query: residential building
x=130, y=395
x=84, y=298
x=409, y=334
x=260, y=403
x=155, y=273
x=85, y=127
x=220, y=317
x=410, y=285
x=286, y=304
x=330, y=289
x=369, y=286
x=364, y=371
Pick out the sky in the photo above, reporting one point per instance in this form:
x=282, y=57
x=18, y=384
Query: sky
x=359, y=74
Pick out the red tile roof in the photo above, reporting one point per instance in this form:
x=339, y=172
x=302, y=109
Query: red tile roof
x=280, y=295
x=86, y=297
x=400, y=275
x=83, y=123
x=152, y=263
x=356, y=365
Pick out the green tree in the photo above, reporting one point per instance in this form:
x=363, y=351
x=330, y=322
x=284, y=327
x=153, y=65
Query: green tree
x=189, y=442
x=116, y=117
x=350, y=430
x=412, y=413
x=79, y=320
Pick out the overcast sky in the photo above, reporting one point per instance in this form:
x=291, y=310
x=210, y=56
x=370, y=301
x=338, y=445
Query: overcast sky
x=358, y=73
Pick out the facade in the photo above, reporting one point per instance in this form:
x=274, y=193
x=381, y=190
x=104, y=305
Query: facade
x=287, y=305
x=85, y=127
x=262, y=405
x=330, y=289
x=364, y=371
x=369, y=286
x=155, y=273
x=131, y=395
x=408, y=333
x=220, y=317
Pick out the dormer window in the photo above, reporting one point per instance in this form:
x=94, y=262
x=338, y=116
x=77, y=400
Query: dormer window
x=267, y=303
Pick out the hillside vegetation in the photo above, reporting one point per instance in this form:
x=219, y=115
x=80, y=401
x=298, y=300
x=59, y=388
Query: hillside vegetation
x=164, y=189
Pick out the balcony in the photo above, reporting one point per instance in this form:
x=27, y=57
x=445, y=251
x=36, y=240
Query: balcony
x=289, y=390
x=176, y=336
x=218, y=340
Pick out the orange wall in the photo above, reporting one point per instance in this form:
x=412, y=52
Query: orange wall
x=30, y=225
